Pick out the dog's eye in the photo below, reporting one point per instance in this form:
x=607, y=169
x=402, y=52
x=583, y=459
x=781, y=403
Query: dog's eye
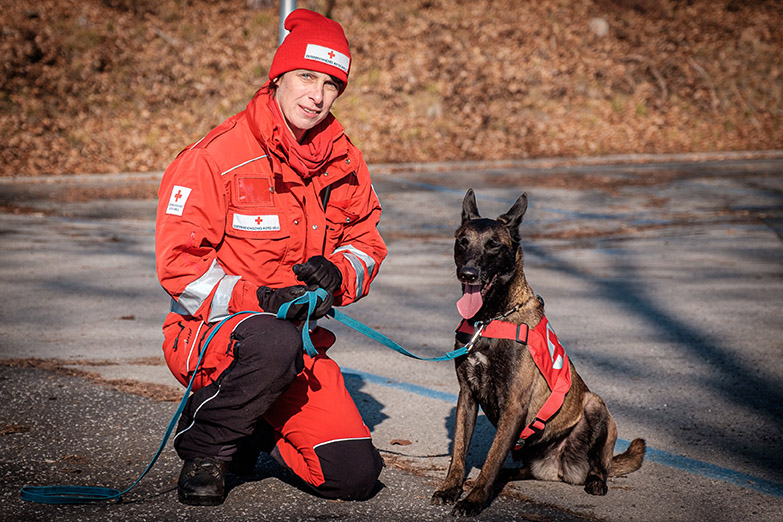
x=462, y=243
x=494, y=245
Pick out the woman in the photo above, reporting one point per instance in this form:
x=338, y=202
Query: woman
x=274, y=201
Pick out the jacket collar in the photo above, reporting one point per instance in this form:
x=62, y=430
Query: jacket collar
x=266, y=129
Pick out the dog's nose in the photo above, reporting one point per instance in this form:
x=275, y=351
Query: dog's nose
x=468, y=274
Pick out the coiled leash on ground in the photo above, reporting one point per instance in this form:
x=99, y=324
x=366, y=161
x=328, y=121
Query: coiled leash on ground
x=87, y=494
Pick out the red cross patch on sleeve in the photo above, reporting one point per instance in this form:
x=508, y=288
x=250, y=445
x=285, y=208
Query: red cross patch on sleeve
x=179, y=196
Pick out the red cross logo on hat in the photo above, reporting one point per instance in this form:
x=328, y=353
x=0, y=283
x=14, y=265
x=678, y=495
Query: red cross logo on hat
x=258, y=220
x=331, y=55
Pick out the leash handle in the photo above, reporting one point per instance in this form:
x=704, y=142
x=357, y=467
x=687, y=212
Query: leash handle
x=311, y=298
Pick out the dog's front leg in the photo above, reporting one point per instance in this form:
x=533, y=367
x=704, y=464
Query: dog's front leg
x=481, y=493
x=465, y=422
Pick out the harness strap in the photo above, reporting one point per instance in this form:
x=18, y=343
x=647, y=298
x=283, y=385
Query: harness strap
x=498, y=330
x=549, y=356
x=547, y=411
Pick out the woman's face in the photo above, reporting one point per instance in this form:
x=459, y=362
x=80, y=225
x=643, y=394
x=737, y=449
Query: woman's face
x=305, y=99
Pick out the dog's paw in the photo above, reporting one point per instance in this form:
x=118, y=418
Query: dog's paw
x=446, y=495
x=595, y=486
x=467, y=508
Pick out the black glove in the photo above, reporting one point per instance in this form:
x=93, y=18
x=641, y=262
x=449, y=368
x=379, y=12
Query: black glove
x=270, y=300
x=319, y=271
x=322, y=305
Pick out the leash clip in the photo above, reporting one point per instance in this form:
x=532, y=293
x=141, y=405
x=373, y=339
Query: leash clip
x=479, y=326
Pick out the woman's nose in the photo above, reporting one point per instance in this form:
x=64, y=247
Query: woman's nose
x=317, y=93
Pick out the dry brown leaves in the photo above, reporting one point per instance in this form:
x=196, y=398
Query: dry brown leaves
x=73, y=368
x=123, y=85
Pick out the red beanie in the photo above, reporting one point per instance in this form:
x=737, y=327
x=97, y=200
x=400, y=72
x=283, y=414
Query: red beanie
x=314, y=43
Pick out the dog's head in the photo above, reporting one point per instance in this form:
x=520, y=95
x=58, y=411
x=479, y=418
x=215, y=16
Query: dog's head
x=485, y=252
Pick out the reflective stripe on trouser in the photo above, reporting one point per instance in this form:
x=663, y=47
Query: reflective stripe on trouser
x=261, y=356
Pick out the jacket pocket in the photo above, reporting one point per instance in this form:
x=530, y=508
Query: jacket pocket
x=339, y=217
x=255, y=190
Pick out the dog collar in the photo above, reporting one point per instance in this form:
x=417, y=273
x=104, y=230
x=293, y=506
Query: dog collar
x=547, y=352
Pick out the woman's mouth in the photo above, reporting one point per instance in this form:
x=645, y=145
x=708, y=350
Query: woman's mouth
x=310, y=112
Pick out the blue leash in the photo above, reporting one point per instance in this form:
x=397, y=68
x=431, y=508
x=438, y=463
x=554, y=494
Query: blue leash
x=87, y=494
x=375, y=336
x=311, y=299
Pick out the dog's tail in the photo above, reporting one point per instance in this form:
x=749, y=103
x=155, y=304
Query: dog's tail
x=630, y=460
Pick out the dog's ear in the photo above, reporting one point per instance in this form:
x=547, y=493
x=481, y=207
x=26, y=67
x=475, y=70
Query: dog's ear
x=513, y=218
x=469, y=208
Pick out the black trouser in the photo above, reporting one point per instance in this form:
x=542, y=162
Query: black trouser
x=267, y=357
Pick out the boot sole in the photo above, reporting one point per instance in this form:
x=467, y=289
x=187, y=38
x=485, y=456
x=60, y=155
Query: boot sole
x=201, y=500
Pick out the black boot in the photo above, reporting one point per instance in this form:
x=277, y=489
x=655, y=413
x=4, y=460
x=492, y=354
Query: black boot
x=202, y=482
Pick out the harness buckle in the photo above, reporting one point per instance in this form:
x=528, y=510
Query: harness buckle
x=527, y=333
x=537, y=425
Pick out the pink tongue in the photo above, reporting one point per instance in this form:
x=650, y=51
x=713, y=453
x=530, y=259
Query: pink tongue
x=470, y=302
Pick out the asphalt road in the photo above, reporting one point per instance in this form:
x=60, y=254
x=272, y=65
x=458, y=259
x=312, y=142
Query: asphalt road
x=663, y=277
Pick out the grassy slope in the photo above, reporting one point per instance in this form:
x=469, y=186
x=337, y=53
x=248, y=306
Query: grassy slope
x=123, y=85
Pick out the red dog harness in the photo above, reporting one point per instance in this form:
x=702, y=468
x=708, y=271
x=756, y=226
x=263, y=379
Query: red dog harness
x=548, y=354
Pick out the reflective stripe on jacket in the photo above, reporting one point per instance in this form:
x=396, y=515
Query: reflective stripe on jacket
x=232, y=216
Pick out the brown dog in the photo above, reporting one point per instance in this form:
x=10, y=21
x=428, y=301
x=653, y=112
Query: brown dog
x=569, y=438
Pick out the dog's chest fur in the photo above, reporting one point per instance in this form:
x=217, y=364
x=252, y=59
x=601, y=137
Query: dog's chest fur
x=488, y=370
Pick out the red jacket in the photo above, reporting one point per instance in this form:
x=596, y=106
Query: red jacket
x=232, y=216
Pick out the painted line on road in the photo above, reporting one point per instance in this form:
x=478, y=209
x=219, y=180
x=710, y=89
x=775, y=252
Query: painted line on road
x=404, y=386
x=692, y=466
x=707, y=470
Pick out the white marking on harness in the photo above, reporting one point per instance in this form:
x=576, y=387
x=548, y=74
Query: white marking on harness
x=557, y=363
